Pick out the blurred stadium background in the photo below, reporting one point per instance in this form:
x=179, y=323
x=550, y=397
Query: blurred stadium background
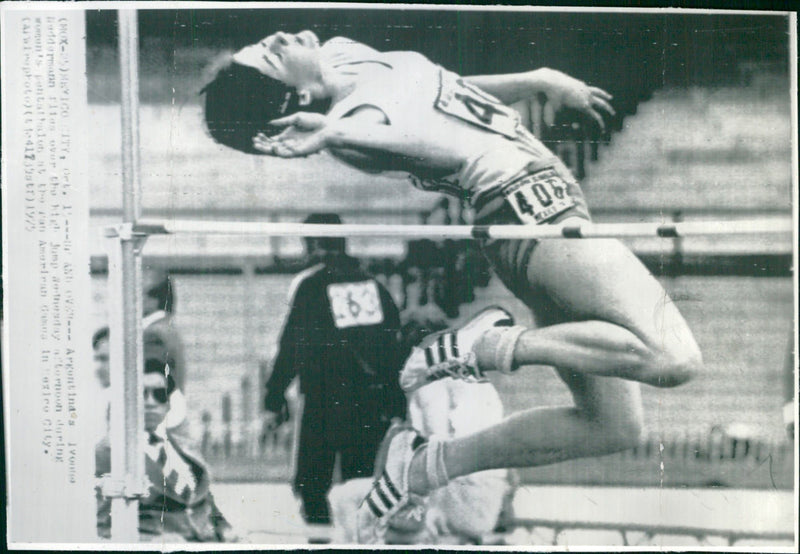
x=703, y=131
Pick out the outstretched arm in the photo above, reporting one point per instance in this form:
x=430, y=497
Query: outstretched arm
x=561, y=91
x=365, y=131
x=560, y=88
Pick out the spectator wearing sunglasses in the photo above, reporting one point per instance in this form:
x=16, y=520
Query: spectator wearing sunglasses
x=162, y=339
x=176, y=420
x=177, y=505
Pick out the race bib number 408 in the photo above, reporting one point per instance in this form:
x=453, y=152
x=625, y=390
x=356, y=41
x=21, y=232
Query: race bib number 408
x=538, y=196
x=355, y=304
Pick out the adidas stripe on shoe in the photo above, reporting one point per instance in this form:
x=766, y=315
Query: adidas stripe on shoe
x=450, y=353
x=389, y=493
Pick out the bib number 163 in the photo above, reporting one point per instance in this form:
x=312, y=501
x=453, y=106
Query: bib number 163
x=355, y=304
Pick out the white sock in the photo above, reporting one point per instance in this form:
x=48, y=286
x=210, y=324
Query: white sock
x=497, y=348
x=435, y=470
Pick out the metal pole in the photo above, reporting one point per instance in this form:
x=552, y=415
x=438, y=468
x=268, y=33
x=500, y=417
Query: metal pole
x=129, y=80
x=127, y=417
x=580, y=230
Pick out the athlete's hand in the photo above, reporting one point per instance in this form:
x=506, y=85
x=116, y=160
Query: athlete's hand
x=304, y=135
x=303, y=121
x=566, y=91
x=290, y=144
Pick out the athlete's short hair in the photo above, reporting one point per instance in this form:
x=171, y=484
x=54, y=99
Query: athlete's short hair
x=240, y=102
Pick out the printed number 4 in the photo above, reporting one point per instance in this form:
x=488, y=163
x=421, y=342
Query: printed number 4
x=541, y=194
x=523, y=204
x=481, y=110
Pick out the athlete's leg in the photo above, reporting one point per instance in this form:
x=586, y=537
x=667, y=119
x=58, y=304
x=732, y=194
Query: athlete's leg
x=606, y=418
x=623, y=322
x=606, y=317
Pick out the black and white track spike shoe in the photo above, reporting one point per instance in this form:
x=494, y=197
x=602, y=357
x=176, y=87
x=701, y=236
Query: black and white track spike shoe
x=389, y=493
x=449, y=353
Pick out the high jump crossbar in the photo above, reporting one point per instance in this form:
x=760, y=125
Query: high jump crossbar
x=571, y=231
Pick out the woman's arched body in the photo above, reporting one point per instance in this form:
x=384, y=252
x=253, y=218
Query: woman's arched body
x=599, y=312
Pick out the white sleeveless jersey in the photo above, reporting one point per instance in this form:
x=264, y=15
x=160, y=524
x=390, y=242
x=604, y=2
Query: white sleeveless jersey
x=428, y=100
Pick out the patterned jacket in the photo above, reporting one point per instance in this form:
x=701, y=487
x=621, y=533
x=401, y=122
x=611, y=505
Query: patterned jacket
x=193, y=516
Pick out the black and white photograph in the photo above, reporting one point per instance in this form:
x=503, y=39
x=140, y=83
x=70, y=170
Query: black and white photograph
x=370, y=275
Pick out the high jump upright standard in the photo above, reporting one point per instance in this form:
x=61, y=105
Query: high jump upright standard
x=126, y=482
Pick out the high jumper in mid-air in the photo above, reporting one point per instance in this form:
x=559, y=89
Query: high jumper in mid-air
x=602, y=320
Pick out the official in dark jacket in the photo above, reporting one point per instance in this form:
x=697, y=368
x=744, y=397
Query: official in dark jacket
x=341, y=338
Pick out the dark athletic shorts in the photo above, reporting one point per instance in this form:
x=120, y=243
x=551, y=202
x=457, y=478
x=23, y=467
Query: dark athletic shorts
x=527, y=200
